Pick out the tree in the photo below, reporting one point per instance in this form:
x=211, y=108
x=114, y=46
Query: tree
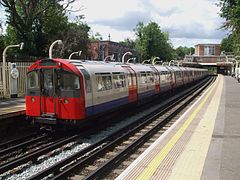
x=227, y=44
x=152, y=42
x=181, y=52
x=96, y=37
x=129, y=43
x=36, y=22
x=76, y=38
x=230, y=10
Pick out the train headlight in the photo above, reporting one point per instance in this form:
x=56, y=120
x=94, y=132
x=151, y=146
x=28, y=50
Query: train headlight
x=32, y=99
x=65, y=101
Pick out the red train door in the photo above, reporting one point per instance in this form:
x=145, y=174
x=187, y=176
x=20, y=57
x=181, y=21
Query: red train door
x=156, y=79
x=132, y=84
x=48, y=102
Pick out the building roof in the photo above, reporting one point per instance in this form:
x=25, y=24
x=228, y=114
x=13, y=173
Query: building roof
x=207, y=44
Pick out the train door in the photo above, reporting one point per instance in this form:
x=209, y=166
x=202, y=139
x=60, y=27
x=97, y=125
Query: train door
x=48, y=103
x=88, y=91
x=156, y=80
x=132, y=84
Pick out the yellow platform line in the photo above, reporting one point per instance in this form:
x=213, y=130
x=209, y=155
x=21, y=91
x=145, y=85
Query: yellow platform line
x=190, y=163
x=153, y=165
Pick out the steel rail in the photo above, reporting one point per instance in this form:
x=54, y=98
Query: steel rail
x=17, y=140
x=56, y=168
x=100, y=171
x=21, y=145
x=34, y=155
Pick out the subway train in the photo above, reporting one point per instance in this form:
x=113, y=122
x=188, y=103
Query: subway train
x=64, y=91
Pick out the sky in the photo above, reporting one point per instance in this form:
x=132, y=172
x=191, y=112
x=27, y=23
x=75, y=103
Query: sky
x=188, y=22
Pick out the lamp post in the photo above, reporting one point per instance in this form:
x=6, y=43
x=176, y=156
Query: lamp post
x=154, y=60
x=131, y=59
x=78, y=53
x=4, y=64
x=59, y=42
x=147, y=60
x=109, y=56
x=170, y=62
x=125, y=55
x=158, y=62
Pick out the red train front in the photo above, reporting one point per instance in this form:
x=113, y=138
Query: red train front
x=54, y=91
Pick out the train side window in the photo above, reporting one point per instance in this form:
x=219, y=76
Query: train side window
x=104, y=83
x=119, y=81
x=32, y=81
x=87, y=81
x=150, y=77
x=143, y=78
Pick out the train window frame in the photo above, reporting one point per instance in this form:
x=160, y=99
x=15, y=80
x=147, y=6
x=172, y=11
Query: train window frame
x=69, y=88
x=38, y=82
x=150, y=77
x=119, y=80
x=103, y=84
x=87, y=80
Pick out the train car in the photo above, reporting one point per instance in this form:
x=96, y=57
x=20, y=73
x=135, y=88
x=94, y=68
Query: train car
x=72, y=91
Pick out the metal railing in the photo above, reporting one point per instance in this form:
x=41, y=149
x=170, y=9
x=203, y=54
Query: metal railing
x=21, y=80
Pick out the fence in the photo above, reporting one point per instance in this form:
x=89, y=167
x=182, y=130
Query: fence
x=21, y=81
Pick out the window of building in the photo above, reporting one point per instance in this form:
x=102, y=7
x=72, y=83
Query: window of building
x=209, y=50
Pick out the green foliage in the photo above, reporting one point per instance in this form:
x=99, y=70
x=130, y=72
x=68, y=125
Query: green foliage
x=129, y=43
x=182, y=51
x=152, y=42
x=76, y=38
x=38, y=23
x=96, y=37
x=2, y=45
x=230, y=10
x=227, y=44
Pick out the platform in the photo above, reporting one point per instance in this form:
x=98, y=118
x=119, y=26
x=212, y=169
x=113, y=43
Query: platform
x=204, y=142
x=12, y=107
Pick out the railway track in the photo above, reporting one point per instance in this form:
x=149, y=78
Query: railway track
x=113, y=148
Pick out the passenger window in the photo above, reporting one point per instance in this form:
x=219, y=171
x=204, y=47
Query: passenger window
x=104, y=83
x=143, y=78
x=150, y=78
x=119, y=81
x=33, y=80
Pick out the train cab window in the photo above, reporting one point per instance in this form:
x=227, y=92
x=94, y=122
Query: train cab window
x=70, y=81
x=32, y=80
x=103, y=82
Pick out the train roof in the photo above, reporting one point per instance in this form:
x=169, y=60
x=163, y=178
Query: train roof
x=105, y=67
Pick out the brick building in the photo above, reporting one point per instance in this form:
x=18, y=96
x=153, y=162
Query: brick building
x=207, y=50
x=210, y=56
x=98, y=50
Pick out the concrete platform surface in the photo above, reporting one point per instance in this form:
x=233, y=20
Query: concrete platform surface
x=203, y=144
x=223, y=159
x=12, y=107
